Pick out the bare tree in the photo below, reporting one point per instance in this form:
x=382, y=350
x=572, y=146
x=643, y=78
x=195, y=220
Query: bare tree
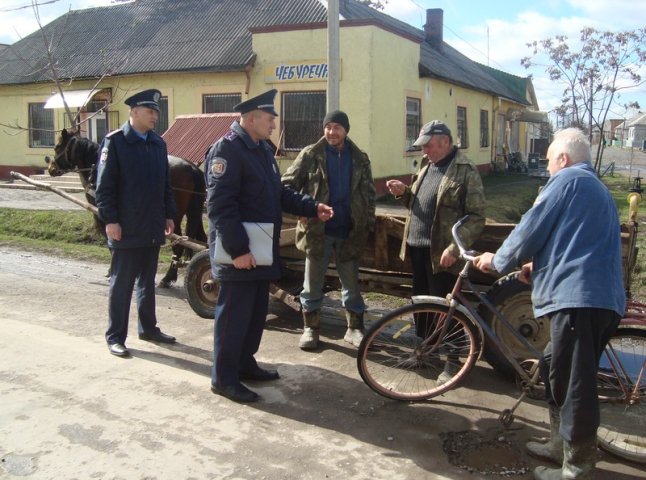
x=376, y=4
x=593, y=75
x=48, y=64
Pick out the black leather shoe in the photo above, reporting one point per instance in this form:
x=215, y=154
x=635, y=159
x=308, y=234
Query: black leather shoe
x=158, y=337
x=260, y=375
x=238, y=393
x=118, y=350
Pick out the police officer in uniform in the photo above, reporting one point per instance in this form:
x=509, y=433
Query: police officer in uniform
x=136, y=203
x=244, y=186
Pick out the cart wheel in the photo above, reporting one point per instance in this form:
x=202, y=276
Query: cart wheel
x=506, y=418
x=201, y=289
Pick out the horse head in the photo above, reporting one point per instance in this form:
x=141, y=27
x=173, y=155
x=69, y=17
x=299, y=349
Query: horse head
x=62, y=161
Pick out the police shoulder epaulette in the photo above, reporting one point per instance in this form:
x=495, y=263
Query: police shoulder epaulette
x=113, y=132
x=231, y=135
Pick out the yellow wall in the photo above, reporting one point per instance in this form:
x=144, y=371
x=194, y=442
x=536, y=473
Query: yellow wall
x=378, y=71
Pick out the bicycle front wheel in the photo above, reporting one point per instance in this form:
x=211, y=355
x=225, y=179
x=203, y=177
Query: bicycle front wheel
x=621, y=383
x=398, y=363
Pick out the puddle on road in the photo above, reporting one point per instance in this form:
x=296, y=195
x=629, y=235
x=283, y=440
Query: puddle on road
x=491, y=454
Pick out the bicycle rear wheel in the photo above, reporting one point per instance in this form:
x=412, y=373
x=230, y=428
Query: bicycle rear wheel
x=622, y=395
x=397, y=363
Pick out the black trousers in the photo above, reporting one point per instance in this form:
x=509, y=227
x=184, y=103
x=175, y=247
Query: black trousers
x=131, y=268
x=569, y=367
x=425, y=282
x=240, y=315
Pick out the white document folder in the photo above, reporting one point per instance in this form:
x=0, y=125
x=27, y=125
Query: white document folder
x=261, y=244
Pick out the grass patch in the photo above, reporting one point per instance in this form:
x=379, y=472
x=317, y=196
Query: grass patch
x=72, y=233
x=61, y=233
x=509, y=196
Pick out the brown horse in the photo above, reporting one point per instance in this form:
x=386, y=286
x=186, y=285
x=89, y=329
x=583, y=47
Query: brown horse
x=74, y=153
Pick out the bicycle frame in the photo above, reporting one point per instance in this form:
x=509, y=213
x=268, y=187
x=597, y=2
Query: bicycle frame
x=635, y=317
x=457, y=300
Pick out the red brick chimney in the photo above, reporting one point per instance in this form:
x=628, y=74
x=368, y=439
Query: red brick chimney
x=434, y=27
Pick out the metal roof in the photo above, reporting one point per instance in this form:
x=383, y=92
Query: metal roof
x=448, y=64
x=190, y=136
x=148, y=36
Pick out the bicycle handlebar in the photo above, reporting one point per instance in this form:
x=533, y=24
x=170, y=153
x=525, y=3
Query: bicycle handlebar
x=468, y=255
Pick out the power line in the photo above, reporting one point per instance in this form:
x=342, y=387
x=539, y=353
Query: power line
x=423, y=9
x=31, y=5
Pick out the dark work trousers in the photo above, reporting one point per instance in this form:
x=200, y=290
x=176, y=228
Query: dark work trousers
x=425, y=282
x=569, y=367
x=240, y=314
x=130, y=265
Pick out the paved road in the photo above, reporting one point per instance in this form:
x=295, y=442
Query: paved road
x=70, y=410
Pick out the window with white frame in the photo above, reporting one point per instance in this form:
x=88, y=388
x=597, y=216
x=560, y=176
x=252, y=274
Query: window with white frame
x=413, y=121
x=462, y=134
x=302, y=118
x=41, y=126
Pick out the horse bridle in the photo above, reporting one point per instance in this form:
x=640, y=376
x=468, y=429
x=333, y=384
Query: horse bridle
x=68, y=155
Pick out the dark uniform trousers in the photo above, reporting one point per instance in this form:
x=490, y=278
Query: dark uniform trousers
x=569, y=367
x=130, y=265
x=240, y=315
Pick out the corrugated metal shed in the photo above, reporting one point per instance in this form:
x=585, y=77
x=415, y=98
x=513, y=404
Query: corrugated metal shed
x=190, y=136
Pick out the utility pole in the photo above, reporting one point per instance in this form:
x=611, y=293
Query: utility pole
x=333, y=54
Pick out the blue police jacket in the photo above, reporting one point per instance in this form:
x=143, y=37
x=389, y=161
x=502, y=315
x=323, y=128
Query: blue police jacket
x=572, y=233
x=244, y=185
x=133, y=187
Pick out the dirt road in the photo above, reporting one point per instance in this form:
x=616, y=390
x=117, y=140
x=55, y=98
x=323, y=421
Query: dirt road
x=70, y=410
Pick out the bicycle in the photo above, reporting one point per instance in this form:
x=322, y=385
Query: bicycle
x=398, y=363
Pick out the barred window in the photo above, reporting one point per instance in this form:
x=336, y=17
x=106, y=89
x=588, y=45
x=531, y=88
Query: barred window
x=302, y=118
x=413, y=121
x=220, y=103
x=484, y=128
x=162, y=123
x=462, y=137
x=41, y=126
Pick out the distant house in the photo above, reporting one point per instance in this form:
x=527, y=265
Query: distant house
x=609, y=128
x=632, y=132
x=205, y=56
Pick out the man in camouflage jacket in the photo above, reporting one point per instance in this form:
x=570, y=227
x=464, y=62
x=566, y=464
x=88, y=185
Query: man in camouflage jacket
x=336, y=172
x=447, y=187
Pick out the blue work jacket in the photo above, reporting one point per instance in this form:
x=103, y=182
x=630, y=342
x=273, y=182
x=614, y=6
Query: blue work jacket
x=572, y=234
x=133, y=187
x=244, y=185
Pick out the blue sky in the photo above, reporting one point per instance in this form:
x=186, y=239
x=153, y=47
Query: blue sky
x=493, y=33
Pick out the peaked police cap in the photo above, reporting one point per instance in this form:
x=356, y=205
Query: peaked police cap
x=147, y=98
x=264, y=102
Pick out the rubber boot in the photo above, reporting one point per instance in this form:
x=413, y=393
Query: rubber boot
x=310, y=338
x=551, y=450
x=579, y=460
x=354, y=334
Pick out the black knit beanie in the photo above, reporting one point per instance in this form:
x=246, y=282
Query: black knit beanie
x=337, y=116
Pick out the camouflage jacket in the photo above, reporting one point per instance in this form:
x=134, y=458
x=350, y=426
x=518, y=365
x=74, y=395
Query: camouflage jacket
x=460, y=193
x=308, y=174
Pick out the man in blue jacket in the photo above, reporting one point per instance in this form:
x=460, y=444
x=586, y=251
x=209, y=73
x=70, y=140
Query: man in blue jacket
x=244, y=186
x=572, y=236
x=136, y=203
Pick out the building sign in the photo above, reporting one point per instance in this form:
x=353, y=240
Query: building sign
x=307, y=71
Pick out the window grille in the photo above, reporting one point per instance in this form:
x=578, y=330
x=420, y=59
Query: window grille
x=302, y=118
x=41, y=126
x=462, y=135
x=220, y=103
